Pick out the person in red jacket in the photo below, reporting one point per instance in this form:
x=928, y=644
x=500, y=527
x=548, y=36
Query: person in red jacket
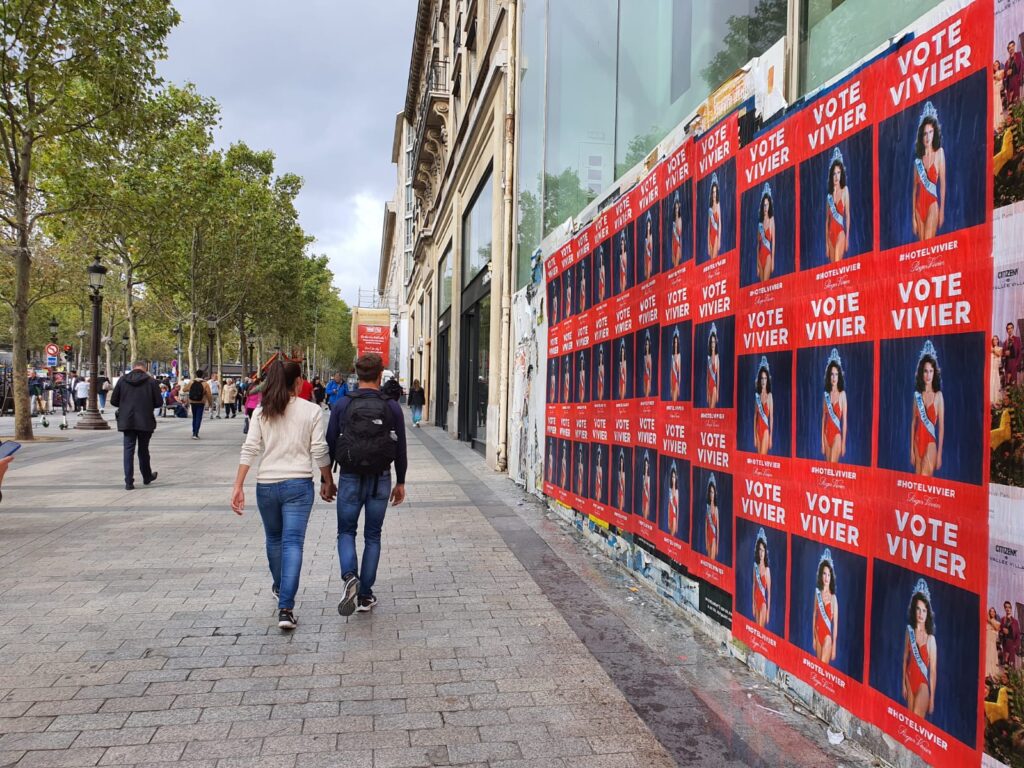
x=306, y=393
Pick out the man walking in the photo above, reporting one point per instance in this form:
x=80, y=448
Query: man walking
x=365, y=435
x=336, y=389
x=199, y=396
x=136, y=397
x=215, y=394
x=81, y=394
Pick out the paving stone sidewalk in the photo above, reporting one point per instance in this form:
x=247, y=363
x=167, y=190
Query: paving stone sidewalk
x=138, y=628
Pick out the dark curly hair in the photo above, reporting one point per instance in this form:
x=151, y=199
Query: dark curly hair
x=842, y=174
x=768, y=384
x=929, y=623
x=713, y=193
x=832, y=571
x=771, y=208
x=936, y=379
x=712, y=487
x=936, y=139
x=764, y=548
x=841, y=384
x=714, y=336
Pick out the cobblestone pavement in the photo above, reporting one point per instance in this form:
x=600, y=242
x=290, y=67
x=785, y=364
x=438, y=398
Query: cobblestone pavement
x=138, y=628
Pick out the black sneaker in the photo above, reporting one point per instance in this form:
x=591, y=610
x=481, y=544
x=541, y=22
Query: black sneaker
x=347, y=606
x=366, y=603
x=286, y=619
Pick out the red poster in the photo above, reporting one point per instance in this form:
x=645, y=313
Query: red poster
x=374, y=339
x=623, y=416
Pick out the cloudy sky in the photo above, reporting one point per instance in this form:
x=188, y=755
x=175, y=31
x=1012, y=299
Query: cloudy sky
x=319, y=82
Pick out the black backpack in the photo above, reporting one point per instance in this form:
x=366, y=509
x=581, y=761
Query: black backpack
x=368, y=443
x=195, y=390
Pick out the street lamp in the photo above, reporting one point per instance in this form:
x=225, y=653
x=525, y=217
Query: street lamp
x=252, y=347
x=54, y=325
x=177, y=352
x=124, y=352
x=211, y=327
x=91, y=418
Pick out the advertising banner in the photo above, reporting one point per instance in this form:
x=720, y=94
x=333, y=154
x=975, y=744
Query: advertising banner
x=374, y=338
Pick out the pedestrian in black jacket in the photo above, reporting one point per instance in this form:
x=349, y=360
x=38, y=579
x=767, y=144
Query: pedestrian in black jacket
x=417, y=399
x=136, y=397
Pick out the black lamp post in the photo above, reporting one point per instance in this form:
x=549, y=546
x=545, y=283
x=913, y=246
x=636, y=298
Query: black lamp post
x=90, y=418
x=124, y=352
x=177, y=351
x=54, y=325
x=211, y=327
x=252, y=357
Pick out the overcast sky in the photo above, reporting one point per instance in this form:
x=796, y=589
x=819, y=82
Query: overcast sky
x=319, y=82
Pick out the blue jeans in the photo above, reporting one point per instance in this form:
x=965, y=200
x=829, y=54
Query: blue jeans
x=197, y=417
x=102, y=396
x=417, y=413
x=285, y=508
x=354, y=493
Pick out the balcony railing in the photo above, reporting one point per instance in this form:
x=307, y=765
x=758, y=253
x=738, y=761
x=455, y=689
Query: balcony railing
x=435, y=89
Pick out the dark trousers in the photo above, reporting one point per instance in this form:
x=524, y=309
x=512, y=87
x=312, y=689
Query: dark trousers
x=230, y=410
x=197, y=417
x=133, y=437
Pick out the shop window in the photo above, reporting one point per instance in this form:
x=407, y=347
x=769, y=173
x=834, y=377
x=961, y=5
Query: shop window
x=476, y=232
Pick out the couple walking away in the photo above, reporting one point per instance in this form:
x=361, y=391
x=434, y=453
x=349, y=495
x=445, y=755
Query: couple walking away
x=365, y=436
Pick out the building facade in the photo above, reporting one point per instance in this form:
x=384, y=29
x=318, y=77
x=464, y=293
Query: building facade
x=458, y=209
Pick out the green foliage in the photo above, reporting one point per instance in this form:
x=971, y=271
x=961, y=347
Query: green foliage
x=748, y=36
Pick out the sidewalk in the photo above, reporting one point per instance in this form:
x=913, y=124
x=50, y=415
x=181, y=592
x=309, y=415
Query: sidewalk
x=138, y=628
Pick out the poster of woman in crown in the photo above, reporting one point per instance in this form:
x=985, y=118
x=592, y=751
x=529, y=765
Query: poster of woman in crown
x=929, y=197
x=928, y=421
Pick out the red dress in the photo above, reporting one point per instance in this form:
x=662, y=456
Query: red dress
x=647, y=375
x=645, y=497
x=598, y=482
x=621, y=495
x=761, y=420
x=677, y=374
x=673, y=510
x=601, y=287
x=927, y=195
x=832, y=430
x=648, y=257
x=306, y=393
x=764, y=246
x=822, y=622
x=622, y=381
x=760, y=591
x=714, y=237
x=710, y=530
x=922, y=437
x=836, y=227
x=712, y=378
x=677, y=241
x=915, y=673
x=600, y=382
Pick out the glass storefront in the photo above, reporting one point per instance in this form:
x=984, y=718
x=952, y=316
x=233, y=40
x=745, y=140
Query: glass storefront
x=836, y=33
x=444, y=287
x=476, y=232
x=531, y=138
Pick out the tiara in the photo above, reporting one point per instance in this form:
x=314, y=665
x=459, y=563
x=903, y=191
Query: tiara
x=714, y=178
x=837, y=156
x=928, y=111
x=921, y=588
x=762, y=364
x=767, y=190
x=834, y=358
x=826, y=557
x=711, y=480
x=761, y=536
x=673, y=469
x=650, y=218
x=714, y=331
x=928, y=350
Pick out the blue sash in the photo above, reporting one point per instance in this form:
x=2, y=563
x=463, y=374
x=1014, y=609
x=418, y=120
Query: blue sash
x=916, y=653
x=760, y=410
x=922, y=176
x=760, y=585
x=762, y=237
x=835, y=212
x=922, y=413
x=821, y=611
x=711, y=218
x=711, y=371
x=832, y=414
x=711, y=523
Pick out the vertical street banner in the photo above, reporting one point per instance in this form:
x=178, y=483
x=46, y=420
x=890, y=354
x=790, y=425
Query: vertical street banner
x=675, y=410
x=373, y=339
x=714, y=353
x=934, y=267
x=766, y=337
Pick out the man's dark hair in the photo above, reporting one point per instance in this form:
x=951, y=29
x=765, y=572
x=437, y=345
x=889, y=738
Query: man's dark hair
x=200, y=373
x=369, y=367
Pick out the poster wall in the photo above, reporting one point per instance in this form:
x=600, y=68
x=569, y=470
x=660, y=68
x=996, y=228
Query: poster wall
x=779, y=377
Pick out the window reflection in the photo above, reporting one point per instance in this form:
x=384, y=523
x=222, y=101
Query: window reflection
x=476, y=233
x=531, y=133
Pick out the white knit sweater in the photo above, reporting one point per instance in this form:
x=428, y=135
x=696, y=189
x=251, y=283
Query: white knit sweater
x=291, y=444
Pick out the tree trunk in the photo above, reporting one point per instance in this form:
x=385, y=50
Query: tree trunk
x=129, y=307
x=219, y=360
x=192, y=350
x=22, y=301
x=243, y=348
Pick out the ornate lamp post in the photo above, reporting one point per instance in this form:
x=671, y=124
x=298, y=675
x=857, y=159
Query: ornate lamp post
x=54, y=325
x=91, y=418
x=252, y=358
x=211, y=328
x=124, y=352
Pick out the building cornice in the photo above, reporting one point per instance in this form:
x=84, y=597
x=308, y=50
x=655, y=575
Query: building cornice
x=421, y=39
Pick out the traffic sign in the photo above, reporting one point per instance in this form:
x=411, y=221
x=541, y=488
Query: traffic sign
x=52, y=350
x=51, y=360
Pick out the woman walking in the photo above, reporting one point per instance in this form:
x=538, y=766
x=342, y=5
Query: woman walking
x=417, y=399
x=229, y=396
x=290, y=432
